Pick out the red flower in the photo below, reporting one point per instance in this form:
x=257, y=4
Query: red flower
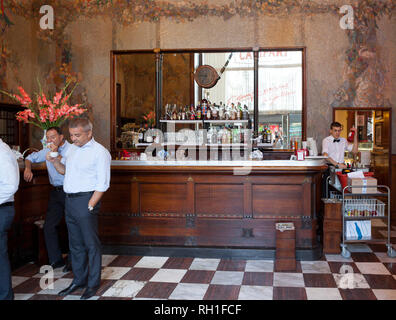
x=26, y=98
x=57, y=97
x=43, y=115
x=46, y=112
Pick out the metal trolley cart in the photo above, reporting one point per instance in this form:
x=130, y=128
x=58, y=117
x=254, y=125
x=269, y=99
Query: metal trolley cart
x=364, y=207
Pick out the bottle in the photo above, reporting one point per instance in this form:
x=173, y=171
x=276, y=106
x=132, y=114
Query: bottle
x=239, y=111
x=183, y=114
x=208, y=113
x=351, y=135
x=219, y=136
x=214, y=137
x=245, y=114
x=221, y=112
x=204, y=108
x=209, y=135
x=215, y=112
x=192, y=112
x=141, y=135
x=265, y=135
x=179, y=113
x=233, y=112
x=229, y=136
x=174, y=113
x=199, y=113
x=167, y=116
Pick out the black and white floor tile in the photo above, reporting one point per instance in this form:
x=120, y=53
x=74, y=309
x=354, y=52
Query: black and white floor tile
x=369, y=275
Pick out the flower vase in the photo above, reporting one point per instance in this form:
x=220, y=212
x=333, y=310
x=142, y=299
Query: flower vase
x=44, y=139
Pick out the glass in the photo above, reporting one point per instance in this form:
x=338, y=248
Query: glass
x=176, y=79
x=237, y=81
x=138, y=75
x=280, y=95
x=134, y=91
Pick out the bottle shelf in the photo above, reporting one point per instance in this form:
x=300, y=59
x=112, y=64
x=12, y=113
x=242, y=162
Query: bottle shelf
x=226, y=121
x=181, y=121
x=205, y=121
x=165, y=144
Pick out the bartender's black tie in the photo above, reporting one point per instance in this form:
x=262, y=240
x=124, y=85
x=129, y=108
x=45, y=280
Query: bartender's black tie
x=336, y=140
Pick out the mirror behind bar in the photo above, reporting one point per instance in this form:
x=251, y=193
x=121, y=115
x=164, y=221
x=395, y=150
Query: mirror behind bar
x=270, y=83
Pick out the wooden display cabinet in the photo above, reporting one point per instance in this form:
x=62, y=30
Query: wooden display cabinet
x=13, y=132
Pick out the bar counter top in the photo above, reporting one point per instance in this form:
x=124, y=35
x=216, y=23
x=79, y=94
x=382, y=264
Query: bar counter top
x=263, y=164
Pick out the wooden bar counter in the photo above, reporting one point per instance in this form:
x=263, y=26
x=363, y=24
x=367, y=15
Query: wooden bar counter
x=198, y=208
x=212, y=205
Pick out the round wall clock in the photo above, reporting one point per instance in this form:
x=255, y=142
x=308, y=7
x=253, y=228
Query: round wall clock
x=206, y=76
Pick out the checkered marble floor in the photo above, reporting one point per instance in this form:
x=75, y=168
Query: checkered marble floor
x=368, y=275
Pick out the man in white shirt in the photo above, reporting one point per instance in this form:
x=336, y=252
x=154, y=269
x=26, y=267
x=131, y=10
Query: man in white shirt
x=334, y=146
x=56, y=203
x=86, y=167
x=9, y=182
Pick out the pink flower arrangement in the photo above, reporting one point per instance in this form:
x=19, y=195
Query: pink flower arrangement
x=45, y=112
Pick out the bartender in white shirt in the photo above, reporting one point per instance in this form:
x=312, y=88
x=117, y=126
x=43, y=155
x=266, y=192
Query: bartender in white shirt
x=86, y=166
x=334, y=146
x=9, y=182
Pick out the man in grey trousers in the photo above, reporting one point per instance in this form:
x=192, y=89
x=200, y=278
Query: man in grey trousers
x=9, y=182
x=86, y=167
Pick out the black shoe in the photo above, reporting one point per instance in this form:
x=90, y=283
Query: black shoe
x=67, y=267
x=58, y=264
x=88, y=293
x=70, y=289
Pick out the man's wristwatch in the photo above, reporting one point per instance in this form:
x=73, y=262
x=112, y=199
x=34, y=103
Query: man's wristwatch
x=337, y=166
x=90, y=208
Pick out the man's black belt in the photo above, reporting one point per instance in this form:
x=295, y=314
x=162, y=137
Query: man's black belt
x=7, y=204
x=78, y=194
x=58, y=188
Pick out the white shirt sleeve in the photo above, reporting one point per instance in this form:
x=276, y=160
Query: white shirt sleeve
x=37, y=157
x=348, y=146
x=325, y=146
x=9, y=176
x=103, y=171
x=66, y=154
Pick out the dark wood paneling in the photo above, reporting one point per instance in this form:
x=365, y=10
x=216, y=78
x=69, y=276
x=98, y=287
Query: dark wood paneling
x=224, y=199
x=278, y=200
x=162, y=197
x=121, y=195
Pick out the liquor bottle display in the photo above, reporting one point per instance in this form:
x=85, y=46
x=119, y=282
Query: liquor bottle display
x=205, y=110
x=226, y=131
